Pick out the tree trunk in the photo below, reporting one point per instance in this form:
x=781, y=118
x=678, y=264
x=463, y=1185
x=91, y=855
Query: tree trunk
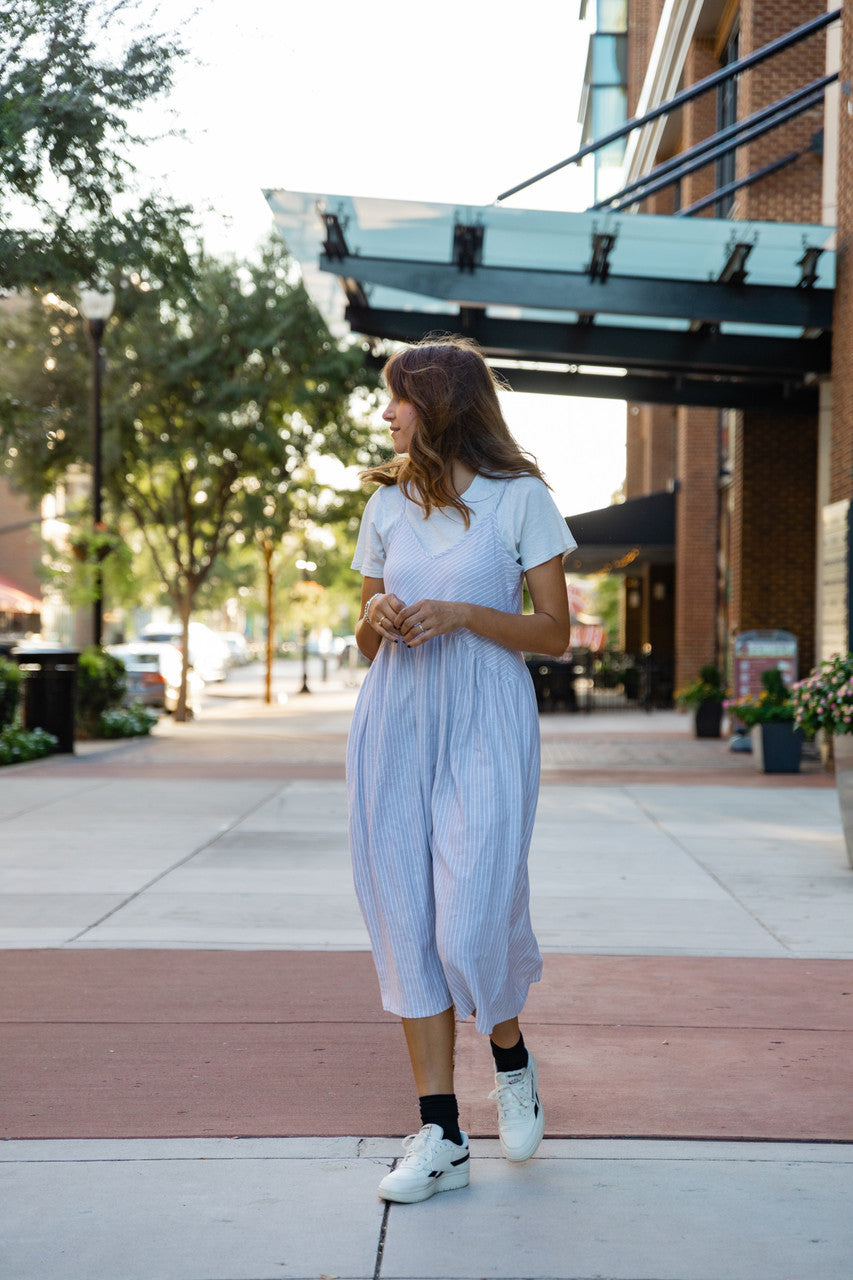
x=269, y=551
x=184, y=612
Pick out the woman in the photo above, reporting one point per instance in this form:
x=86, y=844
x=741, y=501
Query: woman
x=443, y=755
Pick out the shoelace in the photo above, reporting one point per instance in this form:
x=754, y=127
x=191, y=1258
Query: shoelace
x=415, y=1146
x=513, y=1088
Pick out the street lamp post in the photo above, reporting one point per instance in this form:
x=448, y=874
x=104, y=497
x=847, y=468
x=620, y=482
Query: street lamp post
x=96, y=307
x=307, y=566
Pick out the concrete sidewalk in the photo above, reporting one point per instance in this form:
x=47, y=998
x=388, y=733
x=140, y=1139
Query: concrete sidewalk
x=186, y=989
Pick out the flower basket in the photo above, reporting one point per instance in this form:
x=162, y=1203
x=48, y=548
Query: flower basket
x=777, y=748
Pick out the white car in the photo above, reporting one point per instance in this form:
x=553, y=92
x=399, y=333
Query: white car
x=237, y=647
x=154, y=675
x=209, y=654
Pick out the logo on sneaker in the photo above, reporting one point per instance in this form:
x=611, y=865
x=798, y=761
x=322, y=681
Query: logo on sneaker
x=461, y=1159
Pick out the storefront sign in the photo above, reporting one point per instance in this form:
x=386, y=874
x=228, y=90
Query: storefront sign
x=757, y=651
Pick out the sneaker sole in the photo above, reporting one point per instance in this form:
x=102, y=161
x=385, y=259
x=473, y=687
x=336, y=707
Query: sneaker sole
x=448, y=1182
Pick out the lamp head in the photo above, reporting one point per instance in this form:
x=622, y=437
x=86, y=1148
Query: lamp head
x=96, y=302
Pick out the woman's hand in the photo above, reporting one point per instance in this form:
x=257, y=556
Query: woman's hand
x=383, y=613
x=420, y=622
x=382, y=608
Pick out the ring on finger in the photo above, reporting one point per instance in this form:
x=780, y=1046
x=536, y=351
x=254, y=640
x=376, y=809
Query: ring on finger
x=420, y=626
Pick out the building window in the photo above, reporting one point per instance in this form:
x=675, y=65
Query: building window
x=604, y=101
x=725, y=166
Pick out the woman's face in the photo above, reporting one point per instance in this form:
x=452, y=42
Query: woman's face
x=402, y=419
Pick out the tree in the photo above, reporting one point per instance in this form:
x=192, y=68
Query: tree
x=72, y=74
x=215, y=402
x=222, y=397
x=286, y=518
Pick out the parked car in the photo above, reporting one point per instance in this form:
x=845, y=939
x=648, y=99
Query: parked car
x=154, y=675
x=237, y=646
x=209, y=654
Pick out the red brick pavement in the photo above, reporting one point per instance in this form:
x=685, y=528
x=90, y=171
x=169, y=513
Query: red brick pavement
x=128, y=1044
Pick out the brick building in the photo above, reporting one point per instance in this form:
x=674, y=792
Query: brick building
x=718, y=310
x=757, y=525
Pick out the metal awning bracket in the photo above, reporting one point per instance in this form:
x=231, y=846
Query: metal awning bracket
x=468, y=245
x=808, y=265
x=598, y=267
x=335, y=245
x=734, y=268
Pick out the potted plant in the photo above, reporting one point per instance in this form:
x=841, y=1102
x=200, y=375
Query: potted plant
x=777, y=742
x=706, y=696
x=823, y=703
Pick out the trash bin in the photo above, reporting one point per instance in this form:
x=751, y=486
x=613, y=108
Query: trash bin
x=49, y=688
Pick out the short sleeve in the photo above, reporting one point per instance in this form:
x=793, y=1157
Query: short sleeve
x=533, y=523
x=370, y=549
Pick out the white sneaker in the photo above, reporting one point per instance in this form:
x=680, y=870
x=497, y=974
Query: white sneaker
x=521, y=1120
x=432, y=1163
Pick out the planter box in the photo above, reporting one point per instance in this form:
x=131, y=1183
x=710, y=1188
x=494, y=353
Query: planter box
x=708, y=719
x=842, y=746
x=776, y=748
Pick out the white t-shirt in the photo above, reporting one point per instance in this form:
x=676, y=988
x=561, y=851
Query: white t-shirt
x=529, y=523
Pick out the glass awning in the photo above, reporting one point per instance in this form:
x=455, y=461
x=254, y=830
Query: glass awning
x=664, y=299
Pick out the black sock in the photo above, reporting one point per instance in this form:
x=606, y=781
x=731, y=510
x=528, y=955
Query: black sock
x=442, y=1108
x=514, y=1059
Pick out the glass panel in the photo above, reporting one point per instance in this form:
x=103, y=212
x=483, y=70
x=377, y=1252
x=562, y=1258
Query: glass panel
x=609, y=60
x=612, y=15
x=609, y=111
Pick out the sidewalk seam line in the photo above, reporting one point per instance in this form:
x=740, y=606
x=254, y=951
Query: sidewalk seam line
x=383, y=1231
x=77, y=937
x=697, y=861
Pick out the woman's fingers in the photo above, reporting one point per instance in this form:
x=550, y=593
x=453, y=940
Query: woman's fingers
x=420, y=622
x=384, y=613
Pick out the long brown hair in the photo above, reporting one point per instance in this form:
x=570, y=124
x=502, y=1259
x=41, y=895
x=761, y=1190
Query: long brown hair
x=454, y=393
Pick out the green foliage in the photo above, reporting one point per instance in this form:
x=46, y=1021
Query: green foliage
x=215, y=402
x=771, y=706
x=134, y=721
x=17, y=744
x=10, y=690
x=608, y=606
x=72, y=75
x=101, y=685
x=93, y=558
x=220, y=399
x=709, y=687
x=824, y=700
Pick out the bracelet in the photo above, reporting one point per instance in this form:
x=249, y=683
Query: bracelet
x=378, y=596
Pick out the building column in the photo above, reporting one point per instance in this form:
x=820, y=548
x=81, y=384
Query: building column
x=773, y=552
x=836, y=568
x=696, y=541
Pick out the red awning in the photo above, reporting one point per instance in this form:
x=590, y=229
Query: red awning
x=14, y=600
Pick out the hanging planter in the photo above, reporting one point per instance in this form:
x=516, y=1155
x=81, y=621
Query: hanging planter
x=92, y=546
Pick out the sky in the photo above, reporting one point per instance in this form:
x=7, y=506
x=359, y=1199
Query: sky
x=451, y=102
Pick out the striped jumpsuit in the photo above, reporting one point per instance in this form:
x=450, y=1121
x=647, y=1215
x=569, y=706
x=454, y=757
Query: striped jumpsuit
x=443, y=775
